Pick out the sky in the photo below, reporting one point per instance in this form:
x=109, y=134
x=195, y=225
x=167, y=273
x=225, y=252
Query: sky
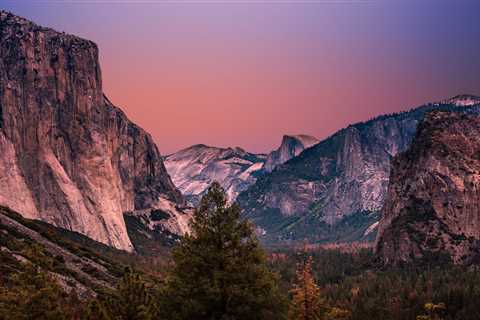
x=244, y=73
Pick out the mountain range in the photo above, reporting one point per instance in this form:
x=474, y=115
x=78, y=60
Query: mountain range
x=195, y=168
x=334, y=190
x=70, y=158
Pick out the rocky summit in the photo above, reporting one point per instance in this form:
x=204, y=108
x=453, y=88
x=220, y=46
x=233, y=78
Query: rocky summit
x=291, y=146
x=68, y=156
x=334, y=190
x=432, y=205
x=193, y=169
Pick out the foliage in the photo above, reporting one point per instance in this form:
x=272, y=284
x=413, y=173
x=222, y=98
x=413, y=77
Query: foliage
x=33, y=294
x=306, y=300
x=220, y=270
x=352, y=282
x=434, y=311
x=131, y=300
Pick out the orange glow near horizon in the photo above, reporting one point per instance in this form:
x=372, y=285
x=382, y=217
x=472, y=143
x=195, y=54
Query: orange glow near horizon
x=245, y=74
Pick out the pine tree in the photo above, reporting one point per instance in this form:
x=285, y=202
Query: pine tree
x=96, y=311
x=306, y=301
x=131, y=300
x=33, y=294
x=220, y=270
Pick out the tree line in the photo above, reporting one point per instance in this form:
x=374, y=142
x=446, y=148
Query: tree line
x=220, y=272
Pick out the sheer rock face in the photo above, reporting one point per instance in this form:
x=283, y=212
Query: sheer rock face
x=291, y=146
x=67, y=155
x=432, y=205
x=344, y=176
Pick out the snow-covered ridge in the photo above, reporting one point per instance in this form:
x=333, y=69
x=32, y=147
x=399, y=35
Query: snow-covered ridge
x=463, y=100
x=193, y=169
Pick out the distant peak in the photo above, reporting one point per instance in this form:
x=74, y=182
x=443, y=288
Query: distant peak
x=463, y=100
x=304, y=139
x=198, y=146
x=239, y=150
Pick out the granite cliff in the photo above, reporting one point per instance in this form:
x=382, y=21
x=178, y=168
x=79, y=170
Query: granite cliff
x=291, y=146
x=334, y=190
x=68, y=156
x=432, y=205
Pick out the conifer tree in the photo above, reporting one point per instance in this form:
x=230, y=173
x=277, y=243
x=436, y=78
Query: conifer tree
x=306, y=301
x=96, y=311
x=220, y=270
x=131, y=300
x=32, y=294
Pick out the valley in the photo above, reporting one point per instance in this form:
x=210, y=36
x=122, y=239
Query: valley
x=379, y=220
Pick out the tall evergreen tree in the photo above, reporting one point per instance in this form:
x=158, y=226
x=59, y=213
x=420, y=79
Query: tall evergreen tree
x=32, y=294
x=131, y=300
x=306, y=300
x=220, y=270
x=96, y=311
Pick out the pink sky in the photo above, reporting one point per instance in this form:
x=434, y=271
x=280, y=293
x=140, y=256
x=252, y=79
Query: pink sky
x=245, y=74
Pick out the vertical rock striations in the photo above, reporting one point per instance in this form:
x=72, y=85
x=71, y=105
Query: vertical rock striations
x=432, y=204
x=67, y=155
x=334, y=190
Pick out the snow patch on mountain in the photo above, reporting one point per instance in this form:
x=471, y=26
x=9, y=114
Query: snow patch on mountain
x=195, y=168
x=371, y=228
x=463, y=100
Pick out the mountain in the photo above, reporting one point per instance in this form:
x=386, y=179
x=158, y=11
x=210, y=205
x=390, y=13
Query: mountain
x=68, y=156
x=291, y=146
x=463, y=100
x=334, y=190
x=193, y=169
x=432, y=205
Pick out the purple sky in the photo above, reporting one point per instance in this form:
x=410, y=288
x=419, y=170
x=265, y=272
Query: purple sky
x=244, y=73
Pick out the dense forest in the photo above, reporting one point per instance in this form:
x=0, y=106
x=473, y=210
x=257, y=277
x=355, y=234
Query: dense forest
x=220, y=271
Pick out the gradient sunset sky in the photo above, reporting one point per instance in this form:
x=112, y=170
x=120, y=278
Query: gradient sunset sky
x=243, y=73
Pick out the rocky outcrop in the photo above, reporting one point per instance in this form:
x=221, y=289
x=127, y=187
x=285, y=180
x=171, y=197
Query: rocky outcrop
x=195, y=168
x=337, y=186
x=67, y=155
x=463, y=100
x=291, y=146
x=432, y=205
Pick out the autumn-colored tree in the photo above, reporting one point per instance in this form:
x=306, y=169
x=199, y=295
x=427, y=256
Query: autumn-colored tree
x=220, y=270
x=306, y=301
x=434, y=311
x=336, y=313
